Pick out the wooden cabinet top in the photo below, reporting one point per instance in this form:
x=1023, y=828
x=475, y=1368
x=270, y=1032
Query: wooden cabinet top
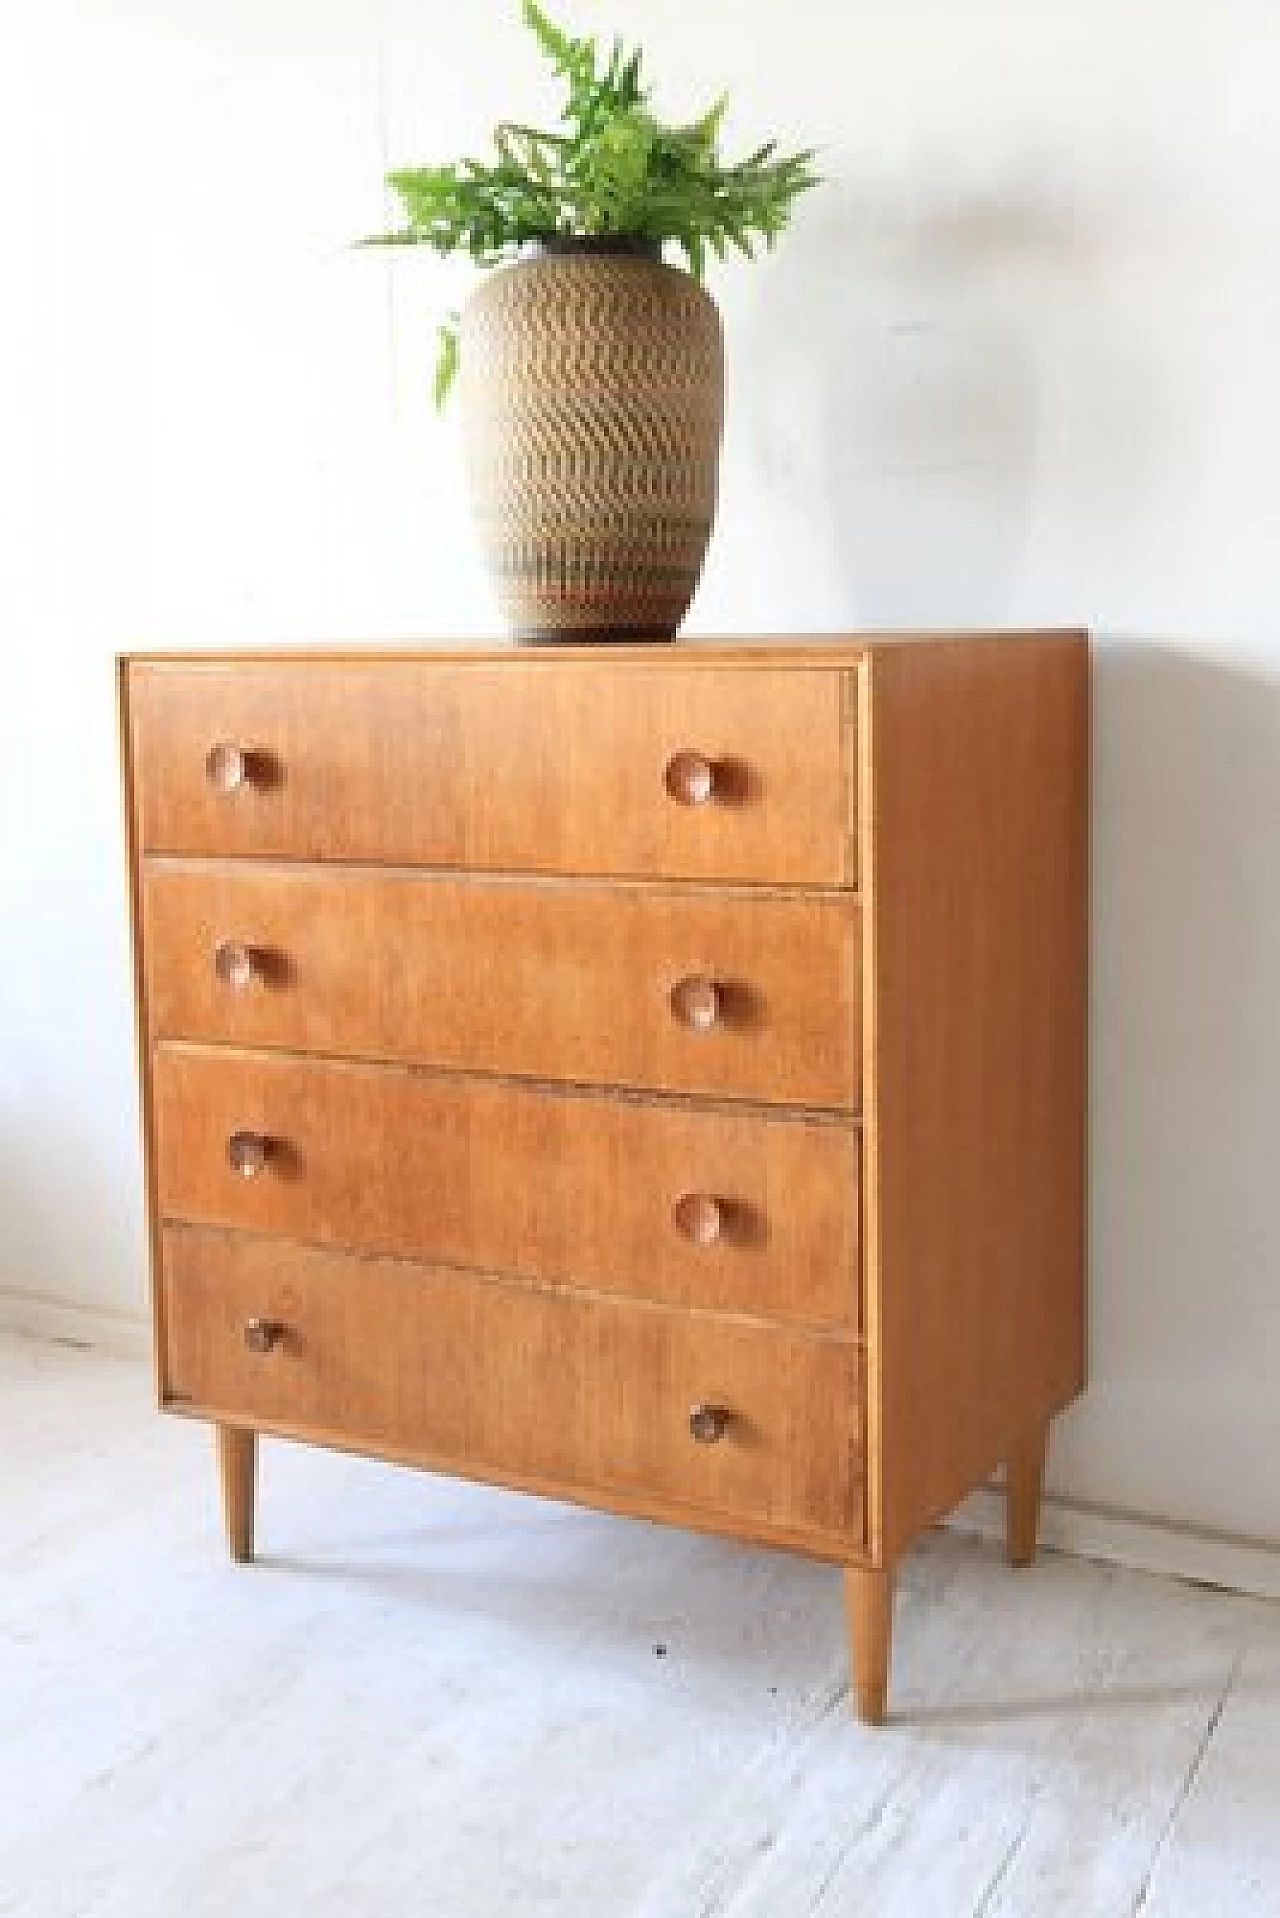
x=801, y=650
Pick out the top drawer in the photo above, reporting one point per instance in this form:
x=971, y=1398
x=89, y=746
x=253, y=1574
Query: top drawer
x=524, y=765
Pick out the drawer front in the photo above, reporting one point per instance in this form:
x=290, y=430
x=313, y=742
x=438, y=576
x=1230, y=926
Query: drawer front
x=696, y=1207
x=543, y=978
x=523, y=765
x=454, y=1370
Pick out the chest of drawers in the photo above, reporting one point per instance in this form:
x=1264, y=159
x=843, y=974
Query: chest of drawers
x=649, y=1076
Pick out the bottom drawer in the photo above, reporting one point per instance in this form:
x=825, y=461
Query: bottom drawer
x=582, y=1394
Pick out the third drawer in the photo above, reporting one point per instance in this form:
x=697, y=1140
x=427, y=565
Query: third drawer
x=695, y=1206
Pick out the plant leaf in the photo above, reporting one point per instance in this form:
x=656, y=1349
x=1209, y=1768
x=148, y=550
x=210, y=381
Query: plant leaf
x=447, y=360
x=614, y=168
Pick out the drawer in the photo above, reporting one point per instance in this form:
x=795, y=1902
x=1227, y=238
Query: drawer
x=547, y=979
x=698, y=1207
x=523, y=764
x=577, y=1394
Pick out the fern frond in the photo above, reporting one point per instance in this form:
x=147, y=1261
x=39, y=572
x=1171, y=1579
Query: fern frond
x=615, y=169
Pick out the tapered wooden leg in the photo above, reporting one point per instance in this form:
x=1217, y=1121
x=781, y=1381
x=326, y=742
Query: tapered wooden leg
x=868, y=1602
x=237, y=1460
x=1025, y=1476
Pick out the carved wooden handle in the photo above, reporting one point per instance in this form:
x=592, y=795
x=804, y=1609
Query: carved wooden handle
x=690, y=778
x=248, y=1153
x=695, y=1001
x=227, y=766
x=236, y=965
x=708, y=1423
x=260, y=1335
x=699, y=1216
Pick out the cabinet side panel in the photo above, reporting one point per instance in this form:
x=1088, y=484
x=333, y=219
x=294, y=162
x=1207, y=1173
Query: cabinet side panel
x=142, y=1026
x=975, y=858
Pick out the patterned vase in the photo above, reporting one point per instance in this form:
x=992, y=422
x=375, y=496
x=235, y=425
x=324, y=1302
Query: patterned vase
x=592, y=384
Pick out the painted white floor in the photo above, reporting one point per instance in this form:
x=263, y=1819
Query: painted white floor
x=437, y=1699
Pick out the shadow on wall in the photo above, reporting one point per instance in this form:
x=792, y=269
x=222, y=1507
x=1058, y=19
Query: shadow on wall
x=1186, y=1066
x=934, y=368
x=976, y=401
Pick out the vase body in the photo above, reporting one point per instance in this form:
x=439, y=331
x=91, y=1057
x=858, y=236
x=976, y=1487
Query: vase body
x=592, y=386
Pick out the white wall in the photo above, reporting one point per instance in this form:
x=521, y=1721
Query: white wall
x=1017, y=363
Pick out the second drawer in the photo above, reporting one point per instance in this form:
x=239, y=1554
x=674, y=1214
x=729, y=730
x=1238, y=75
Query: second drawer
x=747, y=994
x=739, y=1211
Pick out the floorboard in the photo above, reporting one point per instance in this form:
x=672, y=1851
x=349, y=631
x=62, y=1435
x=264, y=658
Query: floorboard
x=432, y=1698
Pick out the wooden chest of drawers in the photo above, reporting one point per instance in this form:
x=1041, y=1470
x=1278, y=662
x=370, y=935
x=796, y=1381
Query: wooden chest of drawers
x=650, y=1076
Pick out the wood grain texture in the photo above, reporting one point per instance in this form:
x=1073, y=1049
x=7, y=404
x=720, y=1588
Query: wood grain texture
x=457, y=901
x=975, y=863
x=518, y=764
x=549, y=979
x=237, y=1452
x=453, y=1367
x=518, y=1179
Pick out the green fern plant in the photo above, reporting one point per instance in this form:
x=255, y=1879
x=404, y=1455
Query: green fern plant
x=614, y=170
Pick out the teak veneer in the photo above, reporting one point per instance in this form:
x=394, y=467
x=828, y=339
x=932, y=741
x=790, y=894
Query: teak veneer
x=649, y=1076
